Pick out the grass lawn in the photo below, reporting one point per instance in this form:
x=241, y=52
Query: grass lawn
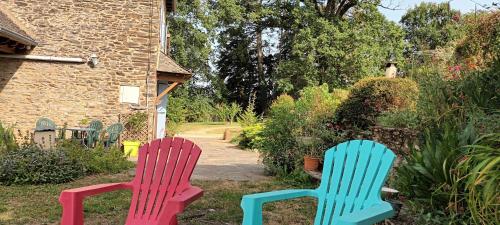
x=220, y=205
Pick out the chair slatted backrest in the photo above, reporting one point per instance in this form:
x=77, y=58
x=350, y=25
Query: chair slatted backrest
x=163, y=170
x=45, y=124
x=114, y=131
x=94, y=134
x=352, y=179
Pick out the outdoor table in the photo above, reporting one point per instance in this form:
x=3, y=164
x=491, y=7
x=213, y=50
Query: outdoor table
x=79, y=133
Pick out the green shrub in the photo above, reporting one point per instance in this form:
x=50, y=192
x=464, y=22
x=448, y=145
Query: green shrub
x=428, y=176
x=399, y=119
x=481, y=175
x=69, y=161
x=279, y=148
x=481, y=44
x=199, y=109
x=248, y=117
x=371, y=96
x=31, y=165
x=233, y=110
x=251, y=136
x=7, y=139
x=221, y=112
x=176, y=110
x=97, y=160
x=290, y=121
x=315, y=106
x=137, y=121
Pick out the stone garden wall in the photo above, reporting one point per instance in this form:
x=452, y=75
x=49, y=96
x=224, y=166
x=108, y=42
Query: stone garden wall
x=399, y=140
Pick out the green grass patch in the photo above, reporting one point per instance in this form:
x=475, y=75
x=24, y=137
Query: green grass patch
x=38, y=204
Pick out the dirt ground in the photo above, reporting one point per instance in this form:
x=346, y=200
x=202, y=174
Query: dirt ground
x=222, y=160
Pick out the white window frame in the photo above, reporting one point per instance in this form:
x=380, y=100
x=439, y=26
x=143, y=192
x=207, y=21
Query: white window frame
x=129, y=94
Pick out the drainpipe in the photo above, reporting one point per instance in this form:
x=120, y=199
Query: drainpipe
x=45, y=58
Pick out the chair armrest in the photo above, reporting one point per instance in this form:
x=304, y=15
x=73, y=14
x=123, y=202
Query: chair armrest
x=279, y=195
x=368, y=216
x=180, y=201
x=95, y=189
x=72, y=200
x=252, y=204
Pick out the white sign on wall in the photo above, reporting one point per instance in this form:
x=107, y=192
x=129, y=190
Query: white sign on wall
x=129, y=94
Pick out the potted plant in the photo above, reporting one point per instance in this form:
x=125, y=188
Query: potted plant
x=135, y=123
x=313, y=152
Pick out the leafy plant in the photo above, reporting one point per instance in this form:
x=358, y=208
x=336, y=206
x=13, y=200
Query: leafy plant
x=429, y=175
x=372, y=96
x=137, y=121
x=251, y=136
x=279, y=147
x=248, y=117
x=233, y=110
x=34, y=166
x=84, y=121
x=67, y=162
x=315, y=106
x=399, y=119
x=222, y=112
x=481, y=169
x=199, y=109
x=98, y=160
x=7, y=139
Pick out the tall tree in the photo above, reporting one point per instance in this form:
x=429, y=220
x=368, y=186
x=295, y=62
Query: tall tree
x=337, y=53
x=430, y=25
x=336, y=9
x=242, y=63
x=192, y=29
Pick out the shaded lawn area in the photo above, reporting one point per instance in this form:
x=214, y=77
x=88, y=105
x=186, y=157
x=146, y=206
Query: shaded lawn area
x=220, y=204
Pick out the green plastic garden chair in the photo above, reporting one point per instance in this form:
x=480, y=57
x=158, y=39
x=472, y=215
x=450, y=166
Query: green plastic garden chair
x=45, y=124
x=349, y=193
x=114, y=132
x=93, y=135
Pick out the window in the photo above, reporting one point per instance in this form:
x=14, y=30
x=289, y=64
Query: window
x=163, y=27
x=129, y=94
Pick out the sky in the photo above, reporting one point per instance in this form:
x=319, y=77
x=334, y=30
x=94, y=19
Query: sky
x=402, y=5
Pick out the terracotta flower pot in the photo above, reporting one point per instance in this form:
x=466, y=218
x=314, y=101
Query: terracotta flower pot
x=311, y=163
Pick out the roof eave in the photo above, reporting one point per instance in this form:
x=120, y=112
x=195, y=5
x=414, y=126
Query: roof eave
x=17, y=37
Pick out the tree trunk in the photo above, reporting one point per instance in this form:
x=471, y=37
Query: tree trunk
x=260, y=54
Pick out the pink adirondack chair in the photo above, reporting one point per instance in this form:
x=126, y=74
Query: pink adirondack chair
x=161, y=187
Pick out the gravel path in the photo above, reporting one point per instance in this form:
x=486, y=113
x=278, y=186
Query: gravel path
x=221, y=160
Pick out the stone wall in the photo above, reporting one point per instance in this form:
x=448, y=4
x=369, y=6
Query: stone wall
x=399, y=140
x=118, y=31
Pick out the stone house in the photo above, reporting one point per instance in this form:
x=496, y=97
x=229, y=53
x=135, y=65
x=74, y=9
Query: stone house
x=81, y=60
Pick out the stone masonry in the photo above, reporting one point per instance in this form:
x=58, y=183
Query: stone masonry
x=124, y=35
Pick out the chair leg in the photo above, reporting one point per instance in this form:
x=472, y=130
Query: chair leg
x=173, y=221
x=252, y=212
x=72, y=210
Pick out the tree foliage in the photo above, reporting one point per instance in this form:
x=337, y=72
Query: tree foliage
x=304, y=43
x=430, y=25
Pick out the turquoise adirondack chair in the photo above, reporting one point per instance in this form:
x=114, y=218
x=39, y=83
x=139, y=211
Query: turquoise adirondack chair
x=349, y=193
x=93, y=136
x=114, y=131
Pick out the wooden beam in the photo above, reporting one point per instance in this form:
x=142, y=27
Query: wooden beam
x=7, y=49
x=171, y=78
x=165, y=92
